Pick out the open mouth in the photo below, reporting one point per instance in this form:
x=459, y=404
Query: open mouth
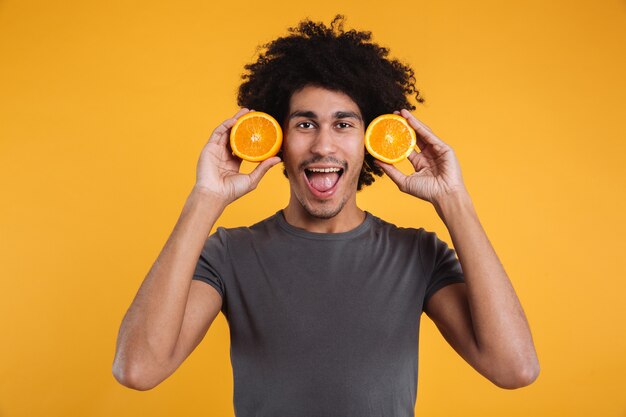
x=322, y=181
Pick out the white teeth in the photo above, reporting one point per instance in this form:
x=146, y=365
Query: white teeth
x=324, y=169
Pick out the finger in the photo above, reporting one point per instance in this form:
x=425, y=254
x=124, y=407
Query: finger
x=407, y=114
x=241, y=112
x=261, y=170
x=427, y=136
x=418, y=161
x=238, y=161
x=394, y=173
x=420, y=143
x=220, y=134
x=414, y=157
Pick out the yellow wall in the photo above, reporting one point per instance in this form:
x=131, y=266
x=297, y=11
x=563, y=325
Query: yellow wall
x=105, y=106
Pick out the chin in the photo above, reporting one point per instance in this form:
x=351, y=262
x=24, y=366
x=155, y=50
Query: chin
x=321, y=210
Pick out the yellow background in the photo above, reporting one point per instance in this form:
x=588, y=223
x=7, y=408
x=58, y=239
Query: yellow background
x=105, y=106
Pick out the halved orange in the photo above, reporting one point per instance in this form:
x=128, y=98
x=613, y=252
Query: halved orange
x=256, y=136
x=389, y=138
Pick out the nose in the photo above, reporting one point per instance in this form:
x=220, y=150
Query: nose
x=324, y=142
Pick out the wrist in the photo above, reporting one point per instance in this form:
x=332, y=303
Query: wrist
x=453, y=204
x=209, y=196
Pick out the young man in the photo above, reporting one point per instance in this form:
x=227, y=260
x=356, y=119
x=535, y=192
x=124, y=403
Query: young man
x=323, y=299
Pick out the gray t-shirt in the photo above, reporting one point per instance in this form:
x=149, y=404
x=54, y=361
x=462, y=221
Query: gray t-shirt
x=325, y=325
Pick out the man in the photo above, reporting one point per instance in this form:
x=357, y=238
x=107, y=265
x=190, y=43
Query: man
x=323, y=299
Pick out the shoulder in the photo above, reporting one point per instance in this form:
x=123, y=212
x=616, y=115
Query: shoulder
x=229, y=235
x=426, y=242
x=384, y=227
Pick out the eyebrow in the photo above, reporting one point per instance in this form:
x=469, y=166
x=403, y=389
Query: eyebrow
x=337, y=115
x=347, y=115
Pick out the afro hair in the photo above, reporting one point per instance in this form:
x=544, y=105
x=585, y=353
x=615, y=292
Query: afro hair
x=338, y=60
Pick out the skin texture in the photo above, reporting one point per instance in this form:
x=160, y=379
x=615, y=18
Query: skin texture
x=482, y=319
x=316, y=136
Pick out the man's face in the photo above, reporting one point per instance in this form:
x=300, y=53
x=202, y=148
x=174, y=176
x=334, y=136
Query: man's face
x=323, y=150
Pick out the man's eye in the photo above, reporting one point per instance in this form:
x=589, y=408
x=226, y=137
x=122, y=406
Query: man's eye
x=343, y=125
x=305, y=125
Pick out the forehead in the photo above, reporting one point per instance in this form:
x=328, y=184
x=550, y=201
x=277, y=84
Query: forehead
x=321, y=101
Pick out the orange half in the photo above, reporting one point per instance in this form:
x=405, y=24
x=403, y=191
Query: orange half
x=389, y=138
x=256, y=136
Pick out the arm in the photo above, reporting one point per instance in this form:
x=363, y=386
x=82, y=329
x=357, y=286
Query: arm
x=482, y=319
x=171, y=314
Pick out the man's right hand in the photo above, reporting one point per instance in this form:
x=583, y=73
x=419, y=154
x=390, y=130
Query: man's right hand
x=218, y=169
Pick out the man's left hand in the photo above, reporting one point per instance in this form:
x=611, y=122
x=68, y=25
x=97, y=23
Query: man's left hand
x=437, y=170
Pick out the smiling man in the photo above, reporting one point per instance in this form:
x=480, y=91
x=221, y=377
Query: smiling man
x=324, y=299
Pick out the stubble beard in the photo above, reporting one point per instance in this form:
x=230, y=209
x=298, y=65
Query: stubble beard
x=322, y=212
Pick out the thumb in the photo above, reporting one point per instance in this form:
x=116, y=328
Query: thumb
x=394, y=173
x=261, y=170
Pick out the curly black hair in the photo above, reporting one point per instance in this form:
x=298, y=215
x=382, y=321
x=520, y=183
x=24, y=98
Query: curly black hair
x=329, y=57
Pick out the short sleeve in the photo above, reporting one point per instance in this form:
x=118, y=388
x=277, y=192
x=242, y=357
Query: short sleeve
x=441, y=266
x=213, y=262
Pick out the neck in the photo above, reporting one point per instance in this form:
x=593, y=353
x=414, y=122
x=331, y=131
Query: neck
x=347, y=219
